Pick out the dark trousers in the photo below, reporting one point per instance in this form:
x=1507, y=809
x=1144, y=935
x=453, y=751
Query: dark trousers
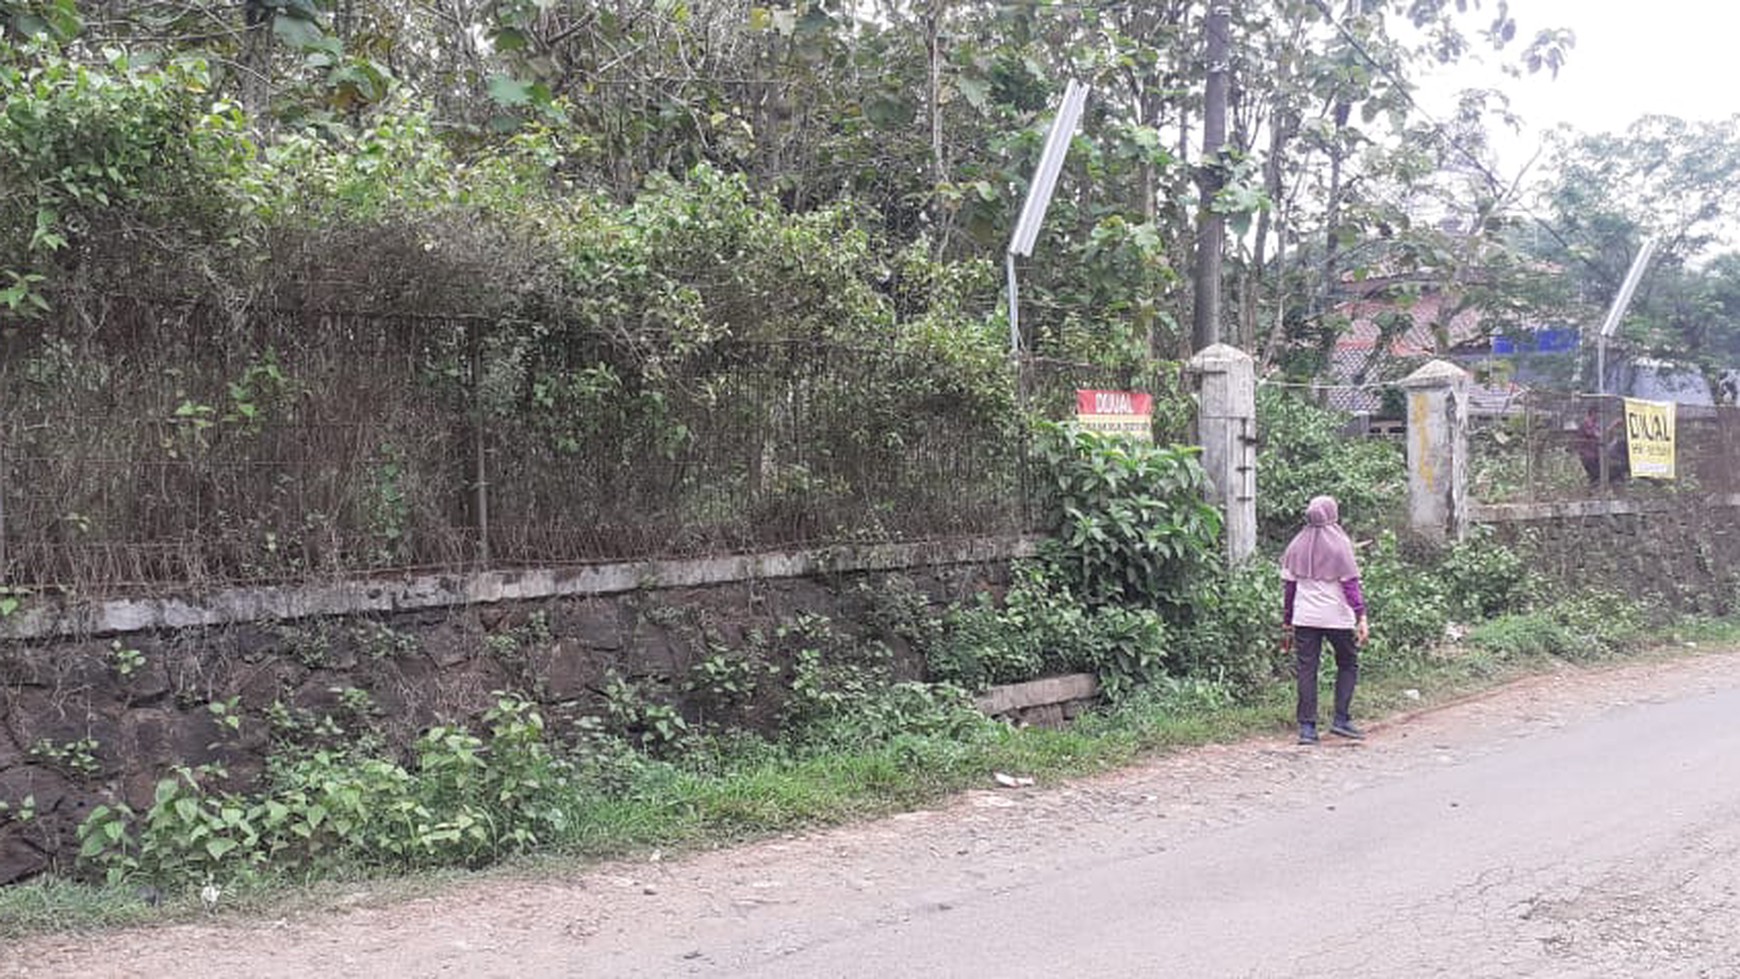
x=1308, y=651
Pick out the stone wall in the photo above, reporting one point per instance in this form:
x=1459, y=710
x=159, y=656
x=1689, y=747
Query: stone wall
x=1679, y=553
x=99, y=718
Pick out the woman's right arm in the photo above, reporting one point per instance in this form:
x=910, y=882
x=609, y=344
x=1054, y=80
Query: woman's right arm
x=1355, y=597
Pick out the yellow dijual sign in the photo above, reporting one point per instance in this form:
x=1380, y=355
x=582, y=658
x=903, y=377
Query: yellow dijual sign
x=1649, y=436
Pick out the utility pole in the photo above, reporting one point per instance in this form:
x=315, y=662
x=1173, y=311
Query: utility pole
x=1211, y=227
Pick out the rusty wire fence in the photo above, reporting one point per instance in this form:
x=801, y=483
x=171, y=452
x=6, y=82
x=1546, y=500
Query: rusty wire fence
x=182, y=446
x=1555, y=446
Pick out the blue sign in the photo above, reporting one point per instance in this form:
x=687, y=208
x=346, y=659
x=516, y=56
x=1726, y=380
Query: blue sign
x=1554, y=340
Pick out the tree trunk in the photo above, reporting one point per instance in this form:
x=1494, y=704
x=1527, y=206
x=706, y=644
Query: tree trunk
x=256, y=65
x=1211, y=233
x=1280, y=131
x=1278, y=332
x=933, y=104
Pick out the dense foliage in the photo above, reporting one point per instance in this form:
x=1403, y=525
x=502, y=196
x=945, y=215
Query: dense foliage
x=1129, y=521
x=1304, y=454
x=924, y=118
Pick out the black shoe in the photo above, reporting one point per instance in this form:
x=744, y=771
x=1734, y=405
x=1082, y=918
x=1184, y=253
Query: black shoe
x=1307, y=734
x=1346, y=729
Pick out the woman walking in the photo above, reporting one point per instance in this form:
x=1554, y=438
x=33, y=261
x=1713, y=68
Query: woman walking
x=1324, y=602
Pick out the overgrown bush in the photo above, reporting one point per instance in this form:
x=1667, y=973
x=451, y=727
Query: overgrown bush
x=886, y=713
x=1581, y=627
x=1600, y=623
x=1304, y=454
x=1522, y=635
x=1132, y=542
x=1128, y=519
x=92, y=151
x=1409, y=602
x=1042, y=629
x=1232, y=636
x=979, y=647
x=462, y=800
x=1127, y=648
x=1484, y=578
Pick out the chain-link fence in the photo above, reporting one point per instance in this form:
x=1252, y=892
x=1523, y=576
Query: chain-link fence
x=177, y=444
x=1553, y=446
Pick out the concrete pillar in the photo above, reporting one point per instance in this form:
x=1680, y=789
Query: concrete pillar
x=1226, y=425
x=1438, y=450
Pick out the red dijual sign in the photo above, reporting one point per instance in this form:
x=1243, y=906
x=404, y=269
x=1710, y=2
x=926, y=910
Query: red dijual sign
x=1128, y=413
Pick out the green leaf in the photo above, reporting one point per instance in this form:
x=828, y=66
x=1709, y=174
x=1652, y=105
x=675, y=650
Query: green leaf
x=815, y=20
x=510, y=92
x=977, y=91
x=218, y=847
x=889, y=112
x=298, y=33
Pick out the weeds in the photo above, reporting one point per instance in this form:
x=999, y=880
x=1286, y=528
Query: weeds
x=125, y=660
x=598, y=797
x=76, y=759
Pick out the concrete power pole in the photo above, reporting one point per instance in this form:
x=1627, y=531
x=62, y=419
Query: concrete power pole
x=1211, y=227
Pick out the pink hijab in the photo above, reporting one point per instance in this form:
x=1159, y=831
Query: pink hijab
x=1321, y=551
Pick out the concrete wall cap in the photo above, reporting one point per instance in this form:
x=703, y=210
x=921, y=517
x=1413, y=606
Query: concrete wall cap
x=72, y=617
x=1216, y=354
x=1436, y=373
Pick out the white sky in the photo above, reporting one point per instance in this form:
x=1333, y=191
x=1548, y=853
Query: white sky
x=1675, y=57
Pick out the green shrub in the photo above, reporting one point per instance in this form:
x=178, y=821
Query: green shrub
x=1128, y=520
x=1042, y=629
x=723, y=685
x=1232, y=637
x=1521, y=636
x=1409, y=602
x=635, y=713
x=1580, y=627
x=979, y=647
x=825, y=689
x=1484, y=579
x=1600, y=623
x=899, y=710
x=82, y=145
x=1304, y=454
x=463, y=800
x=1177, y=696
x=1126, y=648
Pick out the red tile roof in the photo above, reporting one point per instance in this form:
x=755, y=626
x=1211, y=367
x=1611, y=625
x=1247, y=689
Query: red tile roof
x=1417, y=340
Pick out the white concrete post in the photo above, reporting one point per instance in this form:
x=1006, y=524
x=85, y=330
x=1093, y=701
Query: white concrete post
x=1226, y=425
x=1438, y=450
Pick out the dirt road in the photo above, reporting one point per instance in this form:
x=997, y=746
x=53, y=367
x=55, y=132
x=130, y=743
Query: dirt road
x=1580, y=824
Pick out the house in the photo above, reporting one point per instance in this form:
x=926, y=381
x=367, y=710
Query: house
x=1386, y=339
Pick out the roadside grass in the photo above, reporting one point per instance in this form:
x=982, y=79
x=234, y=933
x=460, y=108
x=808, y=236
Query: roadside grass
x=671, y=808
x=1705, y=631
